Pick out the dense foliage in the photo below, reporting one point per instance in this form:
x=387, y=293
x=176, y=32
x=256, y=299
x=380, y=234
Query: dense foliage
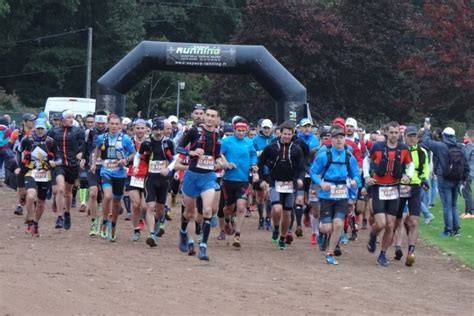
x=376, y=59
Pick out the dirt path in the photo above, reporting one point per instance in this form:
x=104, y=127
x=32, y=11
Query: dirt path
x=69, y=273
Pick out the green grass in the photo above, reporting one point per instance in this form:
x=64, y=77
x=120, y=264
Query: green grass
x=461, y=247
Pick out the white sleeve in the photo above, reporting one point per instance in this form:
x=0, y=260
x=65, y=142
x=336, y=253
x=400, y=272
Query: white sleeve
x=366, y=167
x=136, y=160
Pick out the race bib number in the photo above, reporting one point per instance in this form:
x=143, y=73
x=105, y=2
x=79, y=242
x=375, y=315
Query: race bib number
x=388, y=193
x=339, y=191
x=41, y=175
x=313, y=195
x=206, y=162
x=405, y=191
x=111, y=164
x=156, y=166
x=284, y=186
x=137, y=182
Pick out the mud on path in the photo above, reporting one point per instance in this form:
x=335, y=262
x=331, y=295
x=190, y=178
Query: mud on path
x=66, y=272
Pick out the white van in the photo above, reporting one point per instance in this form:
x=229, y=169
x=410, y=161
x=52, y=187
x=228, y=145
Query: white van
x=80, y=106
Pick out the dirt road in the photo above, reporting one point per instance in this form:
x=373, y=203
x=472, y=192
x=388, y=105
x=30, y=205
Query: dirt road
x=66, y=272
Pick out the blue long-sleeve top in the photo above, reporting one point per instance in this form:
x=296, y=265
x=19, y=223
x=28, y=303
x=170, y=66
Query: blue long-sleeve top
x=337, y=172
x=240, y=152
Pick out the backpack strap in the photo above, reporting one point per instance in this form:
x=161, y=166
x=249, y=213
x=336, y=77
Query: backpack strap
x=421, y=160
x=347, y=160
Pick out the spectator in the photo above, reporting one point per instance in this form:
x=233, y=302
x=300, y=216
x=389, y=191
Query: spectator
x=468, y=151
x=5, y=134
x=448, y=189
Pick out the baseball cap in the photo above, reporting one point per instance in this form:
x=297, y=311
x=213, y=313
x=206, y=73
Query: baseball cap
x=173, y=119
x=139, y=121
x=28, y=117
x=339, y=121
x=199, y=106
x=56, y=116
x=126, y=120
x=40, y=123
x=305, y=121
x=449, y=131
x=267, y=123
x=228, y=128
x=352, y=122
x=337, y=131
x=411, y=130
x=158, y=124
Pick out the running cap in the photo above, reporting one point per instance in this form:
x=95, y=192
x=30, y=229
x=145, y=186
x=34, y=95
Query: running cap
x=267, y=123
x=172, y=119
x=449, y=131
x=351, y=122
x=40, y=123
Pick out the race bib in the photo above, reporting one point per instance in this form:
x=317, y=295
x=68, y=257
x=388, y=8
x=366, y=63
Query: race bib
x=313, y=195
x=388, y=193
x=156, y=166
x=41, y=175
x=284, y=186
x=206, y=162
x=137, y=182
x=339, y=191
x=110, y=164
x=405, y=191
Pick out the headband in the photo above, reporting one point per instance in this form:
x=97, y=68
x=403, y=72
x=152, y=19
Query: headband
x=240, y=125
x=101, y=118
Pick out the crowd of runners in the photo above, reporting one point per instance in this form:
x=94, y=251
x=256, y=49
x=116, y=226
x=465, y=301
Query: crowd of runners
x=330, y=181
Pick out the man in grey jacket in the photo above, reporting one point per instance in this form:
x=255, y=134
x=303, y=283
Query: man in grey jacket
x=448, y=190
x=468, y=151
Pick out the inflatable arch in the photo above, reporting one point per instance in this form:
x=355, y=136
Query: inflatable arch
x=289, y=94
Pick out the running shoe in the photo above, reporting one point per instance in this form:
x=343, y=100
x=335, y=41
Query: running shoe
x=221, y=235
x=136, y=236
x=289, y=238
x=202, y=252
x=337, y=251
x=35, y=231
x=261, y=222
x=236, y=242
x=113, y=234
x=82, y=209
x=307, y=220
x=456, y=233
x=372, y=244
x=275, y=235
x=151, y=241
x=161, y=230
x=29, y=228
x=322, y=242
x=344, y=239
x=168, y=214
x=94, y=230
x=141, y=224
x=313, y=239
x=382, y=260
x=429, y=219
x=446, y=234
x=410, y=259
x=214, y=221
x=330, y=259
x=191, y=248
x=268, y=223
x=299, y=232
x=59, y=223
x=282, y=245
x=67, y=220
x=103, y=231
x=398, y=254
x=19, y=210
x=183, y=241
x=354, y=236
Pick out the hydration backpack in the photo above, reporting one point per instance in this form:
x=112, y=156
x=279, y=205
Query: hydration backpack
x=396, y=170
x=454, y=169
x=330, y=161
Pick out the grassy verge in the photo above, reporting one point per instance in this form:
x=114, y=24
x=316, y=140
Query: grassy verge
x=461, y=247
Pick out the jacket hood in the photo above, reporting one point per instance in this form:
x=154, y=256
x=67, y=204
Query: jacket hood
x=449, y=140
